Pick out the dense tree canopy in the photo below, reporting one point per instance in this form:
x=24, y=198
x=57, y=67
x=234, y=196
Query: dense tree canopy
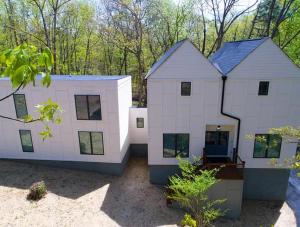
x=128, y=36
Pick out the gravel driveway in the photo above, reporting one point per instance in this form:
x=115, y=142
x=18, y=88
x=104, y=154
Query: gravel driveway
x=78, y=198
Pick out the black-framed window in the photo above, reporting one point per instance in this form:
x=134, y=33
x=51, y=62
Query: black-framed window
x=140, y=122
x=267, y=146
x=186, y=88
x=26, y=140
x=176, y=144
x=88, y=107
x=91, y=143
x=263, y=88
x=20, y=105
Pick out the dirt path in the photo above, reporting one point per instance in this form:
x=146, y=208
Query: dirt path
x=78, y=198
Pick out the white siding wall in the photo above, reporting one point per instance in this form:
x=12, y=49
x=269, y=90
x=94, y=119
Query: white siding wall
x=138, y=135
x=65, y=145
x=169, y=112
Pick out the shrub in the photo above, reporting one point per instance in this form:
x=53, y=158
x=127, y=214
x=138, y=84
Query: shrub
x=190, y=191
x=37, y=191
x=188, y=221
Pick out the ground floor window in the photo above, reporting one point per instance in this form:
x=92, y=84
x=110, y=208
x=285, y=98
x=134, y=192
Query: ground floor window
x=267, y=146
x=91, y=143
x=175, y=145
x=26, y=140
x=140, y=122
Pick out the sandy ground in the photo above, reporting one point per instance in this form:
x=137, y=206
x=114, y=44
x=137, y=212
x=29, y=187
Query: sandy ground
x=78, y=198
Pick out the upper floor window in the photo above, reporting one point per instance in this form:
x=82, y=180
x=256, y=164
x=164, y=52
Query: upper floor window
x=267, y=146
x=186, y=88
x=176, y=145
x=88, y=107
x=20, y=105
x=26, y=140
x=91, y=143
x=263, y=88
x=140, y=122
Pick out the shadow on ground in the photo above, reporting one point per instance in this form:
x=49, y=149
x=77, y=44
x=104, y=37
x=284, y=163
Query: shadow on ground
x=62, y=182
x=129, y=201
x=293, y=195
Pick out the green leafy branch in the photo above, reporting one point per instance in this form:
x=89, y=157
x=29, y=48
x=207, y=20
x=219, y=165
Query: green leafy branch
x=22, y=65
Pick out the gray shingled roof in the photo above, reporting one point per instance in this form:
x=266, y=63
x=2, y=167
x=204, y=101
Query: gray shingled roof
x=169, y=52
x=233, y=53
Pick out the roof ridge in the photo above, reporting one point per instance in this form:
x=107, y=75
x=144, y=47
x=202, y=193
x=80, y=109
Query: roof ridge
x=247, y=40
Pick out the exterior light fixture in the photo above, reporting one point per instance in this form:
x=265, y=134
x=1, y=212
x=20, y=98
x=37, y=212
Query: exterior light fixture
x=218, y=127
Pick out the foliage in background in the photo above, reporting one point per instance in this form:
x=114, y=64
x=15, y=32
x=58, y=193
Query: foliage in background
x=22, y=65
x=128, y=36
x=191, y=191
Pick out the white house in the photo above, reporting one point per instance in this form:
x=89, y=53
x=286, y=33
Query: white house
x=246, y=88
x=94, y=133
x=196, y=107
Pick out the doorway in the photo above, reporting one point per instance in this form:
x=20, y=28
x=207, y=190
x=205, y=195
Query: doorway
x=216, y=143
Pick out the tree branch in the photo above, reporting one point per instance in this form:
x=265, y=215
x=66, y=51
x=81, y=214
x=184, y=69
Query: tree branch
x=18, y=88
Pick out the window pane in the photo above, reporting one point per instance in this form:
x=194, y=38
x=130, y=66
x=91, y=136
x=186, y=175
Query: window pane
x=210, y=138
x=26, y=140
x=140, y=122
x=260, y=145
x=97, y=140
x=185, y=88
x=85, y=143
x=183, y=145
x=20, y=105
x=263, y=88
x=274, y=146
x=223, y=137
x=169, y=145
x=94, y=107
x=81, y=107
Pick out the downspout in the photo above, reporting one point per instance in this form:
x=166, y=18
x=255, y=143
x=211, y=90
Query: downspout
x=224, y=78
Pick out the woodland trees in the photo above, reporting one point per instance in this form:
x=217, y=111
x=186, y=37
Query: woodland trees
x=128, y=36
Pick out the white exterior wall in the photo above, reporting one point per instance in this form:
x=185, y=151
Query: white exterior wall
x=169, y=112
x=65, y=144
x=138, y=135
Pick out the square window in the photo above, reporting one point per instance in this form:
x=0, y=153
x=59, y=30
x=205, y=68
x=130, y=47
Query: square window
x=186, y=88
x=140, y=122
x=263, y=88
x=267, y=146
x=26, y=140
x=20, y=105
x=175, y=145
x=91, y=143
x=88, y=107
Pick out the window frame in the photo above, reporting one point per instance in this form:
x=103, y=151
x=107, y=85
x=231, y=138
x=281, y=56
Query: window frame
x=88, y=108
x=137, y=125
x=91, y=142
x=268, y=142
x=263, y=93
x=14, y=95
x=176, y=144
x=190, y=88
x=26, y=130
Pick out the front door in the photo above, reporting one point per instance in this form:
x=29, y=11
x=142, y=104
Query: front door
x=216, y=143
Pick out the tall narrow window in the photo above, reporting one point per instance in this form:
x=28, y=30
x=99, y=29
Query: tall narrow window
x=140, y=122
x=20, y=105
x=26, y=140
x=88, y=107
x=263, y=88
x=91, y=143
x=185, y=88
x=175, y=145
x=267, y=146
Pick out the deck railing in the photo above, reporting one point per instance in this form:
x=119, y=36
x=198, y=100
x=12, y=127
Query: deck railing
x=227, y=170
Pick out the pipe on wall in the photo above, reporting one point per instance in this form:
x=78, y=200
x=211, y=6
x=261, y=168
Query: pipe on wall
x=224, y=78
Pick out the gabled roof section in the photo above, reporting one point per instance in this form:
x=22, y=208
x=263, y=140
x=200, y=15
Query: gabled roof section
x=233, y=53
x=169, y=52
